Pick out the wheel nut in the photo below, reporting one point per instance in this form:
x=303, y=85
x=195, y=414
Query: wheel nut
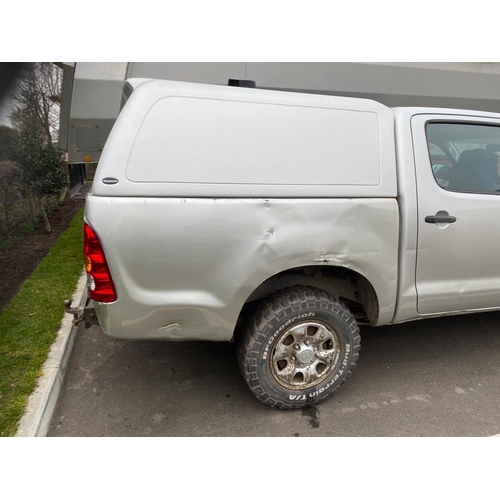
x=296, y=346
x=293, y=358
x=307, y=342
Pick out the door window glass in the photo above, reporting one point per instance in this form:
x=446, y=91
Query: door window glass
x=464, y=157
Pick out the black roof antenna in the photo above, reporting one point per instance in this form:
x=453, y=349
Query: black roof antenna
x=241, y=83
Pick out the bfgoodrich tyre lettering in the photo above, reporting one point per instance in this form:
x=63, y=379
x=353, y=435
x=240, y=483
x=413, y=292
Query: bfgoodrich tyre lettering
x=300, y=346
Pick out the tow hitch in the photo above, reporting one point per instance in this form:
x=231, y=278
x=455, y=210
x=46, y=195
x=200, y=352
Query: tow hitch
x=86, y=314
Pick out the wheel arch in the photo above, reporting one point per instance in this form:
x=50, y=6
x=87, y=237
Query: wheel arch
x=347, y=285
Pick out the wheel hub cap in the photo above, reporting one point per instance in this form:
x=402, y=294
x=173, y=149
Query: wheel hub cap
x=305, y=355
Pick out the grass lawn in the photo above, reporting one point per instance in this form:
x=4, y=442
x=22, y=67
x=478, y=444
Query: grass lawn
x=29, y=324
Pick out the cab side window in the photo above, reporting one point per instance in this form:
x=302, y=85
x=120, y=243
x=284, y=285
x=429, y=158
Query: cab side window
x=441, y=165
x=464, y=157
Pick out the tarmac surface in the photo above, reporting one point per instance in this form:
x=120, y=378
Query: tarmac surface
x=437, y=377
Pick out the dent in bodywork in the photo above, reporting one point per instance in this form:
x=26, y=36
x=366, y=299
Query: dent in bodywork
x=196, y=262
x=327, y=259
x=172, y=330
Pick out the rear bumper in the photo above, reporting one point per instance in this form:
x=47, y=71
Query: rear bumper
x=128, y=320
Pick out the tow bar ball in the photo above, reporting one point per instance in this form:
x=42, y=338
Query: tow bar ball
x=86, y=314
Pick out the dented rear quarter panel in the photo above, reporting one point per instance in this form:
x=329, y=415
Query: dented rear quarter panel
x=184, y=267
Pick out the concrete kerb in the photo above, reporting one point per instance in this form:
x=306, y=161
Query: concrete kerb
x=41, y=403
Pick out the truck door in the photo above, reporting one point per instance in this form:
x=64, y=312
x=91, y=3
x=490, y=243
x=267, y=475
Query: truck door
x=458, y=192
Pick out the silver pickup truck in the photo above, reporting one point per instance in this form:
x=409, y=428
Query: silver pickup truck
x=284, y=221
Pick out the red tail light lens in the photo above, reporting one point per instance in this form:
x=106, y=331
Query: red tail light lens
x=102, y=288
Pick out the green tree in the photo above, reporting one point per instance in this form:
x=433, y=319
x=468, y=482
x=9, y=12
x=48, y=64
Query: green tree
x=36, y=105
x=6, y=135
x=40, y=166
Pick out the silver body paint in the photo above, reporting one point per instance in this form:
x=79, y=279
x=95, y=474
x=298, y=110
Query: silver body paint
x=183, y=268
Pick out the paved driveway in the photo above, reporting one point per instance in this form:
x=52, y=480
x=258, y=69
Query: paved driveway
x=427, y=378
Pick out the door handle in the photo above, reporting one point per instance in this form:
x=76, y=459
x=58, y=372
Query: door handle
x=434, y=219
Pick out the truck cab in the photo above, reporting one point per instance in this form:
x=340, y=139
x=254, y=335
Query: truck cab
x=448, y=194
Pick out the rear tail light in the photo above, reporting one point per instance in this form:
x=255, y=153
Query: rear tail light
x=102, y=288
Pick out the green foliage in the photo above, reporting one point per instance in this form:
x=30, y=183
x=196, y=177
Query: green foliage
x=10, y=196
x=6, y=136
x=40, y=164
x=27, y=227
x=28, y=325
x=6, y=243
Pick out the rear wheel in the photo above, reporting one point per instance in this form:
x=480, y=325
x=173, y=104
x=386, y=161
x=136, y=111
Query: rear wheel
x=300, y=346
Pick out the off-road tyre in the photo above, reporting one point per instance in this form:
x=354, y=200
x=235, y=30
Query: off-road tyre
x=291, y=310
